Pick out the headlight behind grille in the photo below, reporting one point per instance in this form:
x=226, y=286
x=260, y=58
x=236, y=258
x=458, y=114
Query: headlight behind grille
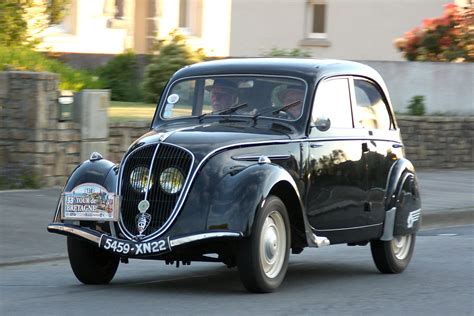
x=171, y=180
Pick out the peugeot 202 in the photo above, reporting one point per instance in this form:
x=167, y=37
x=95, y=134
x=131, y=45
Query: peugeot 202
x=247, y=160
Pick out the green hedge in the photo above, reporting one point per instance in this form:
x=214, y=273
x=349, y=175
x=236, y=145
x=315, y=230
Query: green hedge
x=121, y=76
x=22, y=58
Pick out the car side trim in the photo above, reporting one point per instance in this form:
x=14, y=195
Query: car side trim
x=347, y=228
x=257, y=157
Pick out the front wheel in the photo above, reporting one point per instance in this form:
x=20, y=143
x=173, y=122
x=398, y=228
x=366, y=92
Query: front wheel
x=393, y=256
x=263, y=256
x=90, y=264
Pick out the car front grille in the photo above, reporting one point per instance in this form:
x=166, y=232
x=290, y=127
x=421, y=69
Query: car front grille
x=153, y=158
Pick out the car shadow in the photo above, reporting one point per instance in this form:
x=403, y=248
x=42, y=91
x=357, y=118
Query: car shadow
x=223, y=281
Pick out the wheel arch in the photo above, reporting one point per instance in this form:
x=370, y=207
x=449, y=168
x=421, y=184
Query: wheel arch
x=286, y=192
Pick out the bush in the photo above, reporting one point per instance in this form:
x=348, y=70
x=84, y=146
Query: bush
x=24, y=59
x=280, y=52
x=170, y=55
x=447, y=38
x=417, y=105
x=121, y=75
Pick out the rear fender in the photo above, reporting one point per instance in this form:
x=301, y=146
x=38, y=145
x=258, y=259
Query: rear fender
x=403, y=203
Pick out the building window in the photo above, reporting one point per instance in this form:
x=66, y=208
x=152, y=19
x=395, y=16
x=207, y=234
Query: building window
x=190, y=17
x=316, y=19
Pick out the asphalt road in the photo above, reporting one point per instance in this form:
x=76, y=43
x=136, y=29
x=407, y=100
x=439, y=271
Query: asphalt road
x=447, y=199
x=336, y=280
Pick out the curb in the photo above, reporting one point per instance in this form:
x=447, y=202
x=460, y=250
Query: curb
x=431, y=220
x=33, y=259
x=449, y=217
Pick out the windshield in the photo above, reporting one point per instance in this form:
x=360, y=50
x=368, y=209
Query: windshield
x=253, y=96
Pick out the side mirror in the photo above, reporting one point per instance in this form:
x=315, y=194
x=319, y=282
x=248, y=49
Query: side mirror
x=322, y=123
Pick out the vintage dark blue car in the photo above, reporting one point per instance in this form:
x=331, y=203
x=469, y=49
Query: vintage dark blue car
x=245, y=160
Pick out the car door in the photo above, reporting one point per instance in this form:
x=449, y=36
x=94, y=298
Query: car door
x=381, y=142
x=337, y=185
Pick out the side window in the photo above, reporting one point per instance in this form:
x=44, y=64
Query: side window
x=370, y=110
x=180, y=100
x=333, y=101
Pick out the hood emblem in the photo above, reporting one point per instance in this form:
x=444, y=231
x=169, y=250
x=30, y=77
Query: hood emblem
x=142, y=220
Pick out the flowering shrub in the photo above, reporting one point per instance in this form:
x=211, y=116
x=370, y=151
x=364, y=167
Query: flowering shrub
x=447, y=38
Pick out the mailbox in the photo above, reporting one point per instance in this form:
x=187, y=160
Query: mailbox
x=66, y=103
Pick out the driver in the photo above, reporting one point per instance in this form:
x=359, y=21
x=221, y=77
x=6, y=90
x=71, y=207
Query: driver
x=223, y=94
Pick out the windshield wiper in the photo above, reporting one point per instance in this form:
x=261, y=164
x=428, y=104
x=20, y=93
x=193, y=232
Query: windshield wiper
x=273, y=110
x=224, y=112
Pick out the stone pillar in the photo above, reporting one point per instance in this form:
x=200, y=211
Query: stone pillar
x=35, y=148
x=91, y=113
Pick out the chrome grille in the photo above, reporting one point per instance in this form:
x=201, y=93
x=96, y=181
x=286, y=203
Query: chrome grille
x=162, y=204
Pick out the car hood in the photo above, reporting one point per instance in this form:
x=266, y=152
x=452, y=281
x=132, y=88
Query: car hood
x=202, y=139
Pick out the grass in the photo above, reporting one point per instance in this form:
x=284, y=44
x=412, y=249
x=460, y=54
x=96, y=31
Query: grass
x=131, y=111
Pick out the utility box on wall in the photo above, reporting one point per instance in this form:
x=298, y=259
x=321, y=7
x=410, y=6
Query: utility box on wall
x=90, y=111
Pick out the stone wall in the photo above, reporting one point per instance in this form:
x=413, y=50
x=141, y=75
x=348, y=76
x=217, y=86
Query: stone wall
x=34, y=146
x=121, y=136
x=438, y=141
x=431, y=141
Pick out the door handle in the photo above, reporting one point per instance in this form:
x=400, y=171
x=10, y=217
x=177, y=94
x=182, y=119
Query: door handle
x=316, y=145
x=397, y=145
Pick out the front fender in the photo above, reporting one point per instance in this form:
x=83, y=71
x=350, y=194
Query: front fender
x=238, y=195
x=102, y=172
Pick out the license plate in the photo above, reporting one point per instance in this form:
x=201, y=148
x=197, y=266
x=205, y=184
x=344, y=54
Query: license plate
x=130, y=248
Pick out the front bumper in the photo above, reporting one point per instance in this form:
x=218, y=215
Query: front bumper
x=137, y=249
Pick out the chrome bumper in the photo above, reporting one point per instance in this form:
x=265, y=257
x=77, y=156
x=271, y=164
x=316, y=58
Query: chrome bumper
x=96, y=236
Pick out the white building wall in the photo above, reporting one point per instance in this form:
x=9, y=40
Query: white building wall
x=356, y=29
x=89, y=34
x=257, y=26
x=215, y=28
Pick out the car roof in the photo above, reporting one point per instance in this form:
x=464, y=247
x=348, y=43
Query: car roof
x=305, y=68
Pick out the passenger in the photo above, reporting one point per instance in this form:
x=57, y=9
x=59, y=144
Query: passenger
x=290, y=95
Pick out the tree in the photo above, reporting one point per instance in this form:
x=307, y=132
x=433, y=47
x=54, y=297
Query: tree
x=170, y=55
x=13, y=28
x=22, y=21
x=446, y=38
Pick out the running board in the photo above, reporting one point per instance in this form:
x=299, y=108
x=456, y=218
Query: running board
x=320, y=241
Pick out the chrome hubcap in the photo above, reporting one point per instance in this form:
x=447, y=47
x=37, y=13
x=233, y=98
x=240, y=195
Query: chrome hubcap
x=401, y=246
x=273, y=244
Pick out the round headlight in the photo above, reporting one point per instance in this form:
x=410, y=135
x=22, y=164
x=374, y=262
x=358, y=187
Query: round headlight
x=139, y=179
x=171, y=180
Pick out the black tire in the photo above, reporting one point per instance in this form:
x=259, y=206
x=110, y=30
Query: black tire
x=393, y=256
x=262, y=257
x=90, y=264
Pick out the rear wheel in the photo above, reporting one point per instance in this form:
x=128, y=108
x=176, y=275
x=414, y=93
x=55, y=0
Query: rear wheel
x=263, y=256
x=90, y=264
x=393, y=256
